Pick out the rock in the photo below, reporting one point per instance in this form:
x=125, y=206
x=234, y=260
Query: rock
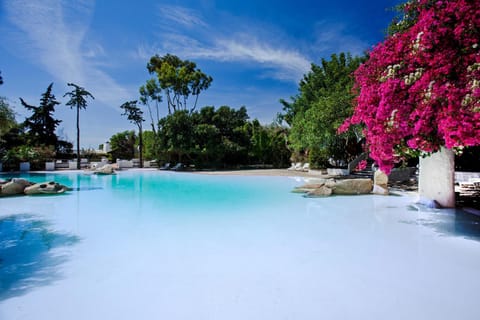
x=380, y=181
x=322, y=191
x=307, y=187
x=353, y=186
x=380, y=190
x=13, y=187
x=302, y=190
x=330, y=183
x=106, y=169
x=429, y=203
x=312, y=186
x=380, y=178
x=45, y=188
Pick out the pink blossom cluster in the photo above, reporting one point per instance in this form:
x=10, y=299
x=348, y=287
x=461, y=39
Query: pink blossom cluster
x=362, y=165
x=421, y=88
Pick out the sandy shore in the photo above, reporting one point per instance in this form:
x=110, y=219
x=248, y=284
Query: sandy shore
x=266, y=172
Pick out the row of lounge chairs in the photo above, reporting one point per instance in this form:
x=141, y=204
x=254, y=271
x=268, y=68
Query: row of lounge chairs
x=178, y=167
x=298, y=166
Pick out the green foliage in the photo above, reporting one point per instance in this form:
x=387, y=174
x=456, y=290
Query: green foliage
x=123, y=145
x=7, y=117
x=268, y=144
x=179, y=79
x=134, y=114
x=150, y=149
x=324, y=101
x=25, y=153
x=220, y=138
x=41, y=125
x=407, y=16
x=78, y=97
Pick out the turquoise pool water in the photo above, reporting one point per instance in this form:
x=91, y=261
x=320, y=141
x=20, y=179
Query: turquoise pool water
x=163, y=245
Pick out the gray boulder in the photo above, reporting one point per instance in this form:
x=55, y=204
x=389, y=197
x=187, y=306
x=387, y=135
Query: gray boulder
x=50, y=187
x=353, y=186
x=14, y=187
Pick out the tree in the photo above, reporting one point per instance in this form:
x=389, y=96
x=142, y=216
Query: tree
x=268, y=144
x=324, y=101
x=7, y=117
x=151, y=93
x=150, y=145
x=420, y=88
x=78, y=100
x=176, y=136
x=179, y=79
x=41, y=125
x=1, y=79
x=9, y=129
x=123, y=145
x=135, y=116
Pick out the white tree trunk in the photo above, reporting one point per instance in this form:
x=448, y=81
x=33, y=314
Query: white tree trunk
x=437, y=178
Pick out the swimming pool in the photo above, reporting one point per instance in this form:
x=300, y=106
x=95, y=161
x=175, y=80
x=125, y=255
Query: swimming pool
x=163, y=245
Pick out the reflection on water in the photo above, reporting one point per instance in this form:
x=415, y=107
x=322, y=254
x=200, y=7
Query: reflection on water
x=29, y=254
x=445, y=222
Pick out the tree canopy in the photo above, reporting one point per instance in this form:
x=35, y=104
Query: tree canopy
x=420, y=88
x=41, y=125
x=123, y=145
x=179, y=79
x=7, y=117
x=324, y=101
x=221, y=137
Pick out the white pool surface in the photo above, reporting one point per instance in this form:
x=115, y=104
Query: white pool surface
x=164, y=245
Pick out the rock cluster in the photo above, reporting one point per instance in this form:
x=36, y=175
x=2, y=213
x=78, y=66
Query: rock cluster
x=327, y=187
x=106, y=169
x=19, y=186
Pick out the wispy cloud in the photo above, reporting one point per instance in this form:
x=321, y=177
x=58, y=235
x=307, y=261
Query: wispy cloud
x=334, y=37
x=277, y=60
x=181, y=15
x=53, y=32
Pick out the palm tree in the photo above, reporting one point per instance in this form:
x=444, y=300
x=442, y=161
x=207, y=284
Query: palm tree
x=135, y=115
x=78, y=100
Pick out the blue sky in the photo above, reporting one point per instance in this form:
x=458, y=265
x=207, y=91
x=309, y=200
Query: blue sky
x=256, y=51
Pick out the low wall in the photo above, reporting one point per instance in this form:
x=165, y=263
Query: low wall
x=463, y=176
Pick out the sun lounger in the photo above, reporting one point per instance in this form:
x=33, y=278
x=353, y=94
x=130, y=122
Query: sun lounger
x=178, y=167
x=166, y=166
x=296, y=166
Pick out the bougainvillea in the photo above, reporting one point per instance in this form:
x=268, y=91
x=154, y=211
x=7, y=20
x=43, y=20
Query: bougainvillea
x=420, y=89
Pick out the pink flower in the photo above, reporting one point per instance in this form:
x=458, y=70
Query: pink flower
x=362, y=165
x=416, y=88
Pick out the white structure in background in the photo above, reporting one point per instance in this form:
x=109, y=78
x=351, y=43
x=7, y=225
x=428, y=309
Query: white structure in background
x=106, y=147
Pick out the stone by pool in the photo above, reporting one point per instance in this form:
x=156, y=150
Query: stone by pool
x=162, y=245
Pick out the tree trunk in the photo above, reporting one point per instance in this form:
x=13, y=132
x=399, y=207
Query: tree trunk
x=437, y=178
x=140, y=149
x=78, y=138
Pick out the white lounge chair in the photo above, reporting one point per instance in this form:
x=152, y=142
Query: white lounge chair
x=306, y=167
x=297, y=166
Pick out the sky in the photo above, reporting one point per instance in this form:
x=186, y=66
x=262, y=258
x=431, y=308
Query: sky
x=256, y=51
